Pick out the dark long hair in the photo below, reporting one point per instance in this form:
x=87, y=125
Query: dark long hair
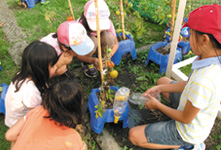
x=64, y=101
x=85, y=24
x=36, y=59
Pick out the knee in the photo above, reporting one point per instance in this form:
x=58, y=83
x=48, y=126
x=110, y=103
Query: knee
x=163, y=80
x=132, y=136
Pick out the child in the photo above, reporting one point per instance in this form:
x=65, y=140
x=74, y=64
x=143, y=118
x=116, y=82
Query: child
x=27, y=86
x=70, y=41
x=108, y=34
x=51, y=126
x=195, y=110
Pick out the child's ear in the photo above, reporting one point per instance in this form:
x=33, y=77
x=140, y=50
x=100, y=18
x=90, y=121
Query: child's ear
x=205, y=39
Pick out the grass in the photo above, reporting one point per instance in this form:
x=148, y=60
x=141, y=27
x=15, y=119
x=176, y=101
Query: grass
x=8, y=70
x=7, y=63
x=44, y=19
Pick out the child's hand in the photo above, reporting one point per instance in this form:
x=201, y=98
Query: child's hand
x=96, y=63
x=152, y=103
x=153, y=91
x=65, y=58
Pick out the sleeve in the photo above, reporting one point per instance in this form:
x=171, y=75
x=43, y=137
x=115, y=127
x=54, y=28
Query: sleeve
x=112, y=29
x=200, y=93
x=32, y=96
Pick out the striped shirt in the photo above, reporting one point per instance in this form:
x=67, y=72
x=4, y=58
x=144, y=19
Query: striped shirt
x=203, y=90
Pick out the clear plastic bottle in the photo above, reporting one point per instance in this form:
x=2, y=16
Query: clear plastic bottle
x=120, y=102
x=138, y=99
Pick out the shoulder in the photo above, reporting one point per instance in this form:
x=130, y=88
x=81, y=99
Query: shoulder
x=34, y=111
x=29, y=86
x=76, y=140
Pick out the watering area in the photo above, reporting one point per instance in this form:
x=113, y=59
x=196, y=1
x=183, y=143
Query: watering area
x=137, y=115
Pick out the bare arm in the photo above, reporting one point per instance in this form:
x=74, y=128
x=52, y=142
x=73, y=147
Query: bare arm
x=87, y=59
x=13, y=133
x=166, y=88
x=64, y=60
x=114, y=47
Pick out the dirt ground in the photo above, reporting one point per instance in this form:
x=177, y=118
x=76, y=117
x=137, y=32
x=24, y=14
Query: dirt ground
x=138, y=115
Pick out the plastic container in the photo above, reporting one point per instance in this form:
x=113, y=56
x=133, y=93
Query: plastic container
x=138, y=99
x=120, y=102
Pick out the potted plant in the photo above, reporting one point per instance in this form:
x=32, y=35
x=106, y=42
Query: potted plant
x=159, y=53
x=100, y=103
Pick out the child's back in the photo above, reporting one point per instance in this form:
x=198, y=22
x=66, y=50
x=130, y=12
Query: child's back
x=18, y=103
x=29, y=83
x=43, y=134
x=51, y=126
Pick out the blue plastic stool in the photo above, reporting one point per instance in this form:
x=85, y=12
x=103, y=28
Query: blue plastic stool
x=97, y=124
x=31, y=3
x=2, y=99
x=161, y=59
x=0, y=68
x=124, y=47
x=185, y=46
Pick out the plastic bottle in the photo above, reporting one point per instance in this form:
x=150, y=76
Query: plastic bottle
x=138, y=99
x=120, y=102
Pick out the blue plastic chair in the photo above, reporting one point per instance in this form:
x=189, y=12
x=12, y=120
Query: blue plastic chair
x=31, y=3
x=124, y=47
x=2, y=99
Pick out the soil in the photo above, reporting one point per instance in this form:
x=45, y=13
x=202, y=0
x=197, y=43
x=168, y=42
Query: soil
x=185, y=39
x=163, y=51
x=109, y=101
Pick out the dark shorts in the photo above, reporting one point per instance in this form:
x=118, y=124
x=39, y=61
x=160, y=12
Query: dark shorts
x=174, y=98
x=164, y=133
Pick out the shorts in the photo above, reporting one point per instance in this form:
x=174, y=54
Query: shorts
x=164, y=133
x=174, y=98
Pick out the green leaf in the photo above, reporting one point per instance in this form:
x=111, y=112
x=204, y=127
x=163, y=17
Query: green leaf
x=141, y=78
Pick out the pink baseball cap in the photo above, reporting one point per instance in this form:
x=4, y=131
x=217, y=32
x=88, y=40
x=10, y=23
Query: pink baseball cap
x=90, y=15
x=206, y=19
x=73, y=34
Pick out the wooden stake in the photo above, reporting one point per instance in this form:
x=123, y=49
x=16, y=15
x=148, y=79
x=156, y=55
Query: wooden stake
x=122, y=17
x=99, y=42
x=72, y=14
x=173, y=10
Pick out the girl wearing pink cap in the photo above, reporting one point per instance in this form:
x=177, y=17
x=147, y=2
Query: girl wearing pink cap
x=194, y=103
x=108, y=34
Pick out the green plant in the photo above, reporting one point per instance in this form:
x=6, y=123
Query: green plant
x=105, y=92
x=163, y=12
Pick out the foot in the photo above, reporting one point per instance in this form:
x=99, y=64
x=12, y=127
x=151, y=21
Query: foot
x=200, y=146
x=90, y=70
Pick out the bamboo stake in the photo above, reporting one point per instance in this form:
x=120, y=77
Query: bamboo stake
x=173, y=9
x=99, y=42
x=72, y=14
x=122, y=17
